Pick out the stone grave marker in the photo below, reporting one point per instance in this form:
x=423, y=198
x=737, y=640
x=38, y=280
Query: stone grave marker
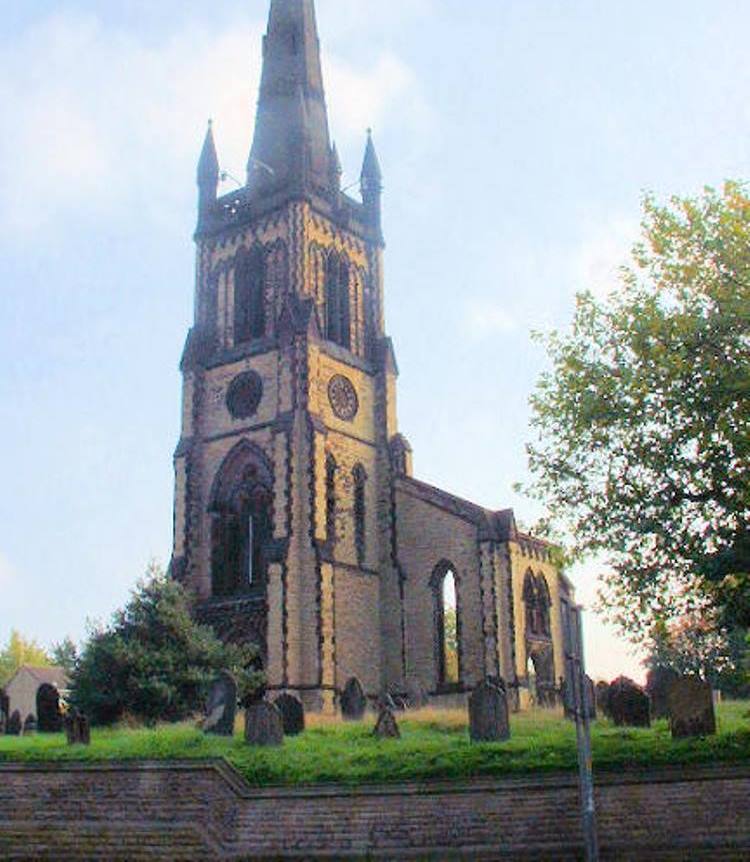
x=292, y=714
x=48, y=713
x=221, y=707
x=691, y=708
x=29, y=725
x=658, y=683
x=489, y=720
x=77, y=728
x=14, y=724
x=386, y=727
x=629, y=705
x=263, y=724
x=353, y=700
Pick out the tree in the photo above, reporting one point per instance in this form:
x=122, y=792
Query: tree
x=153, y=661
x=20, y=651
x=642, y=450
x=451, y=644
x=64, y=654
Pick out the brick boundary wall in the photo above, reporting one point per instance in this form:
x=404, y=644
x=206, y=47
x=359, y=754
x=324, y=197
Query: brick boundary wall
x=203, y=810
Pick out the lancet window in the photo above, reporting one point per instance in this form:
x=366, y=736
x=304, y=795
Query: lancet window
x=447, y=628
x=338, y=300
x=249, y=296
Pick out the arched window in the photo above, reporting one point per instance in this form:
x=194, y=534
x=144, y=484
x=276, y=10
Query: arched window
x=338, y=322
x=360, y=481
x=249, y=296
x=241, y=524
x=330, y=498
x=530, y=602
x=545, y=604
x=447, y=629
x=537, y=604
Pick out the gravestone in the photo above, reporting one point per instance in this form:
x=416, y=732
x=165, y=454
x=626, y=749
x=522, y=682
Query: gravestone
x=353, y=700
x=77, y=728
x=658, y=683
x=263, y=724
x=221, y=707
x=691, y=708
x=602, y=698
x=29, y=725
x=489, y=720
x=629, y=705
x=14, y=724
x=292, y=714
x=386, y=727
x=48, y=712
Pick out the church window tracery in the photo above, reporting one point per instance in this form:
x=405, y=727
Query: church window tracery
x=249, y=296
x=338, y=301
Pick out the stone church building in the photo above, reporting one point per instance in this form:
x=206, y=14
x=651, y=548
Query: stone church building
x=298, y=522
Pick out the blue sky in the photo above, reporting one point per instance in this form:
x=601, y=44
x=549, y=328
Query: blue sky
x=515, y=136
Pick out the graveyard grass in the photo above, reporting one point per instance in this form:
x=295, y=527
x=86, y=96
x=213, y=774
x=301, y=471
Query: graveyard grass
x=434, y=745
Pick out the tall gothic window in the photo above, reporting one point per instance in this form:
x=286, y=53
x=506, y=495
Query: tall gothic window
x=330, y=498
x=249, y=298
x=338, y=317
x=360, y=482
x=445, y=601
x=537, y=605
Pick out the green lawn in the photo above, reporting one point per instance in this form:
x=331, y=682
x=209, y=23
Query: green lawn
x=434, y=745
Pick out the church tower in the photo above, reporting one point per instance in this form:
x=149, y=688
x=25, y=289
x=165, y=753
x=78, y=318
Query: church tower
x=283, y=494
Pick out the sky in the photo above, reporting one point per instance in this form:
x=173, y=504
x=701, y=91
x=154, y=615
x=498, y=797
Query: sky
x=516, y=139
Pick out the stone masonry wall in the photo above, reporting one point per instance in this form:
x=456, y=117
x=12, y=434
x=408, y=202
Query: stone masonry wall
x=200, y=811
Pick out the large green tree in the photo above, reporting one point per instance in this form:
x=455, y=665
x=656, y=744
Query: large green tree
x=642, y=448
x=153, y=662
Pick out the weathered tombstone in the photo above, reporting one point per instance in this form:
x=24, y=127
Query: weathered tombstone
x=386, y=727
x=292, y=714
x=602, y=698
x=14, y=724
x=691, y=708
x=221, y=707
x=77, y=728
x=658, y=683
x=489, y=720
x=29, y=725
x=629, y=705
x=48, y=713
x=263, y=724
x=353, y=700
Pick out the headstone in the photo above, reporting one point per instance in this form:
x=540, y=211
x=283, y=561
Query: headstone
x=29, y=725
x=14, y=724
x=353, y=700
x=221, y=707
x=48, y=712
x=77, y=728
x=488, y=713
x=263, y=724
x=629, y=705
x=602, y=698
x=658, y=683
x=292, y=714
x=386, y=727
x=691, y=708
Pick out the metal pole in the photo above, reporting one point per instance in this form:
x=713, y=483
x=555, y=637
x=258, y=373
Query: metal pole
x=577, y=676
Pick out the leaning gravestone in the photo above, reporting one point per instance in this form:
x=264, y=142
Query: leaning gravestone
x=263, y=724
x=221, y=707
x=386, y=727
x=691, y=708
x=77, y=728
x=658, y=683
x=29, y=725
x=353, y=700
x=489, y=720
x=629, y=705
x=292, y=714
x=48, y=713
x=14, y=724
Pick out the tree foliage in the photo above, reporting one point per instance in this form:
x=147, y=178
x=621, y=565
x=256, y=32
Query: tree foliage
x=153, y=662
x=20, y=651
x=64, y=654
x=642, y=449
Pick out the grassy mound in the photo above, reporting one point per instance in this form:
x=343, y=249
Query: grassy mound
x=434, y=745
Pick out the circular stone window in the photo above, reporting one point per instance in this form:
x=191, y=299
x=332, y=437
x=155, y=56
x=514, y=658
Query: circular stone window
x=244, y=395
x=343, y=398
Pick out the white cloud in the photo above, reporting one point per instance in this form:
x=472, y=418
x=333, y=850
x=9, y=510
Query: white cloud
x=108, y=120
x=596, y=263
x=485, y=318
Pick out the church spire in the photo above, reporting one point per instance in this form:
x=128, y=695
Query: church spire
x=291, y=142
x=208, y=171
x=371, y=181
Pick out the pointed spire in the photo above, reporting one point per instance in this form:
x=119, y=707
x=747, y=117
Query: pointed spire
x=371, y=181
x=291, y=127
x=336, y=169
x=208, y=165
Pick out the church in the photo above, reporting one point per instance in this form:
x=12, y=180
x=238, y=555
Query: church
x=298, y=523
